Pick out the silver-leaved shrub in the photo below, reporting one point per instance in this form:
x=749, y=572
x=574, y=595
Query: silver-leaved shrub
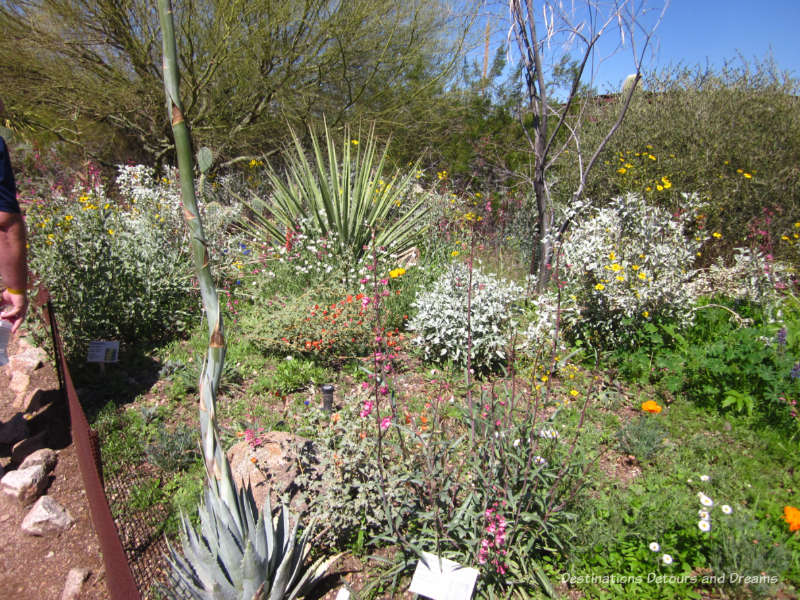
x=628, y=262
x=445, y=328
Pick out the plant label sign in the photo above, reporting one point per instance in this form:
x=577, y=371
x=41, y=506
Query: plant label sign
x=103, y=352
x=441, y=579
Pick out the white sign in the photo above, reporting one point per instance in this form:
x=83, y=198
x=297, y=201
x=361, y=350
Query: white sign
x=103, y=352
x=344, y=594
x=441, y=579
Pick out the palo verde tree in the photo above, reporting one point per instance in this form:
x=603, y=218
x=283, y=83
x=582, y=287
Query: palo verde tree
x=552, y=34
x=88, y=71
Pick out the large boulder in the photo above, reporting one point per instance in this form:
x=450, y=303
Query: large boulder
x=45, y=517
x=270, y=466
x=26, y=485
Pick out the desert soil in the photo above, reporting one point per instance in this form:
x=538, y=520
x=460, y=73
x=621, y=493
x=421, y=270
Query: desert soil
x=36, y=568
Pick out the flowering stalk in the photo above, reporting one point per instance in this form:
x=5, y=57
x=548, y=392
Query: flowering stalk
x=216, y=462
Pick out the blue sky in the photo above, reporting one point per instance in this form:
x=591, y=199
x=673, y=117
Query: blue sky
x=706, y=32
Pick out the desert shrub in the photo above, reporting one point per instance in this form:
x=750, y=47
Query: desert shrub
x=642, y=437
x=627, y=263
x=349, y=495
x=115, y=270
x=117, y=266
x=324, y=323
x=731, y=134
x=445, y=328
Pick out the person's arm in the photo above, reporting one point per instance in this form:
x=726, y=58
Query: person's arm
x=13, y=268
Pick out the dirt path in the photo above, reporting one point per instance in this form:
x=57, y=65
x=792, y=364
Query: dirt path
x=36, y=568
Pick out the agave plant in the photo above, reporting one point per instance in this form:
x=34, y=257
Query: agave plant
x=244, y=555
x=343, y=197
x=237, y=553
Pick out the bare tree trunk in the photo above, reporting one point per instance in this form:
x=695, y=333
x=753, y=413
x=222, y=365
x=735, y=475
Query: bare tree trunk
x=578, y=29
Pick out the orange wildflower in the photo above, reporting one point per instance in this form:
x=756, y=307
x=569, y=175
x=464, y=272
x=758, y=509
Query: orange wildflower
x=651, y=406
x=792, y=516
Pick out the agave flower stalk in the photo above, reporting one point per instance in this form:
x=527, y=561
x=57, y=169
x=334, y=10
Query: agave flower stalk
x=216, y=462
x=237, y=553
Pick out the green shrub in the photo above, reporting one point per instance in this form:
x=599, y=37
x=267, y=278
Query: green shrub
x=290, y=375
x=174, y=450
x=115, y=270
x=642, y=437
x=325, y=323
x=732, y=135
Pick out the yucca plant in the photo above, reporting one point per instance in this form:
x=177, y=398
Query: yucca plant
x=341, y=196
x=237, y=553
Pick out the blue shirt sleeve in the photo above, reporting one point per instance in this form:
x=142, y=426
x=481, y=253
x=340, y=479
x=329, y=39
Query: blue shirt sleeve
x=8, y=189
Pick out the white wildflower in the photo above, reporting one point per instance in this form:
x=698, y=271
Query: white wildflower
x=666, y=559
x=654, y=546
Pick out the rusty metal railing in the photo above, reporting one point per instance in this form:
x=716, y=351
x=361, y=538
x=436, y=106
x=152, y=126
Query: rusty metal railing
x=119, y=578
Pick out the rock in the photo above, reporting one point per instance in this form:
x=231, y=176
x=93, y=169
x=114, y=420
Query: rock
x=21, y=450
x=13, y=431
x=28, y=359
x=25, y=484
x=277, y=465
x=19, y=382
x=47, y=516
x=44, y=456
x=30, y=401
x=74, y=583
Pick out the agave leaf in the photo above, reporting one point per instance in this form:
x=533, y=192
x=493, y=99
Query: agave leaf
x=312, y=576
x=258, y=537
x=202, y=559
x=289, y=558
x=252, y=580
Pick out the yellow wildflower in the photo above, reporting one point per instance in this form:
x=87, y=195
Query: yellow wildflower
x=599, y=287
x=398, y=272
x=717, y=234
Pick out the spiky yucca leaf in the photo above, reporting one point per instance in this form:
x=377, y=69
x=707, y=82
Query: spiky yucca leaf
x=340, y=196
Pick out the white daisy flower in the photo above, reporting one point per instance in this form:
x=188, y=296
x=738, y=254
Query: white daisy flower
x=654, y=546
x=666, y=559
x=704, y=477
x=703, y=514
x=550, y=434
x=705, y=500
x=704, y=525
x=539, y=460
x=726, y=509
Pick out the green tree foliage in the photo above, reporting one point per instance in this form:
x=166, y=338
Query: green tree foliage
x=731, y=135
x=88, y=71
